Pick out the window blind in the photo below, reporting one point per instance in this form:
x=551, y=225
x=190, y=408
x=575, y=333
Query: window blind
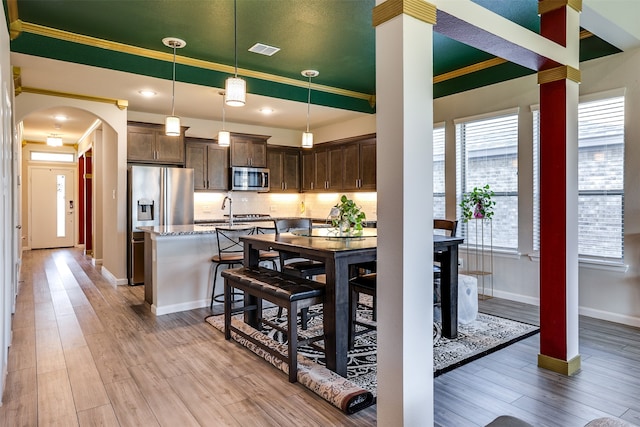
x=600, y=178
x=487, y=153
x=438, y=173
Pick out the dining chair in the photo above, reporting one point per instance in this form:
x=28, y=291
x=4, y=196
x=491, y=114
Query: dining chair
x=230, y=253
x=361, y=284
x=445, y=227
x=298, y=267
x=268, y=256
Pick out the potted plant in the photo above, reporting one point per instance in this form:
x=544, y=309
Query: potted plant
x=478, y=204
x=347, y=217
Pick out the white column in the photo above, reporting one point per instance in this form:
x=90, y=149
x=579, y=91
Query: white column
x=404, y=103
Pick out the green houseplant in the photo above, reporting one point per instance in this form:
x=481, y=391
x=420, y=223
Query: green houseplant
x=478, y=204
x=347, y=216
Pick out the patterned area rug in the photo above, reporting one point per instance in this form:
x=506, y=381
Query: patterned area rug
x=476, y=339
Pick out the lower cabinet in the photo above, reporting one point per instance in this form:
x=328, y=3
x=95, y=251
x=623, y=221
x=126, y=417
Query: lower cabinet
x=210, y=164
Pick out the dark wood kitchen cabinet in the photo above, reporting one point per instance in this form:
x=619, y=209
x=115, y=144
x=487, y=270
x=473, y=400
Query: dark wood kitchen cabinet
x=147, y=143
x=359, y=165
x=328, y=165
x=284, y=169
x=210, y=164
x=249, y=150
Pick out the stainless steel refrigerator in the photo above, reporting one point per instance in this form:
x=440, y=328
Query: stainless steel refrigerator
x=156, y=196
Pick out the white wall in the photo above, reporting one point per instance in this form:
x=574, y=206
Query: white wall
x=607, y=293
x=111, y=176
x=9, y=258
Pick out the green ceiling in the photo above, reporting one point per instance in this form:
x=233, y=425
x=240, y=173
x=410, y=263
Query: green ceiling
x=335, y=37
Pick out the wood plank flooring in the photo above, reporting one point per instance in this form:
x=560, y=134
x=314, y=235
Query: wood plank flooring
x=87, y=353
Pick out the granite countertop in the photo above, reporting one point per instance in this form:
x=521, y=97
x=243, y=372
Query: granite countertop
x=209, y=226
x=193, y=229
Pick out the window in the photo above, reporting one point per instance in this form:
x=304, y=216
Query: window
x=438, y=172
x=47, y=156
x=600, y=178
x=487, y=153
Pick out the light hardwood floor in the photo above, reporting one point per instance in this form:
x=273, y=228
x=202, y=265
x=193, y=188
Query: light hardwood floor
x=87, y=353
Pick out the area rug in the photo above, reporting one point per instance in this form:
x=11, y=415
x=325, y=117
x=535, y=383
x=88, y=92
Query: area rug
x=476, y=339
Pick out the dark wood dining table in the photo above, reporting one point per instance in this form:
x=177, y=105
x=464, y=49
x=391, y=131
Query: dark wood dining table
x=338, y=254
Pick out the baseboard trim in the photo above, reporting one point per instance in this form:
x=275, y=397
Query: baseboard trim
x=174, y=308
x=565, y=367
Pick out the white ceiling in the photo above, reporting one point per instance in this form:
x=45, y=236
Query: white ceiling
x=190, y=101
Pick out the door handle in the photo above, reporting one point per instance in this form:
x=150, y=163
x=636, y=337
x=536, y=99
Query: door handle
x=19, y=227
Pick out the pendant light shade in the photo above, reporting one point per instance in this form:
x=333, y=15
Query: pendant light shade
x=235, y=87
x=172, y=122
x=307, y=140
x=172, y=126
x=236, y=90
x=307, y=137
x=224, y=137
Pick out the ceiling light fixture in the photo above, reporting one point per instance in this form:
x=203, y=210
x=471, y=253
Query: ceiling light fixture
x=54, y=140
x=172, y=122
x=60, y=117
x=307, y=137
x=235, y=87
x=147, y=93
x=224, y=137
x=266, y=110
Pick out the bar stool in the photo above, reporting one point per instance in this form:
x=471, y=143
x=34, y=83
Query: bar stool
x=230, y=254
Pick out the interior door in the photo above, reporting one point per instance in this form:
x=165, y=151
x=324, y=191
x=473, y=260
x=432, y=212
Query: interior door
x=52, y=213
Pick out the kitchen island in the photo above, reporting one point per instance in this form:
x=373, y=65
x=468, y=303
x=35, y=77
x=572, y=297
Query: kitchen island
x=178, y=265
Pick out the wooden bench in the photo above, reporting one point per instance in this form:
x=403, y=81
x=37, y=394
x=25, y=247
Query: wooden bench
x=290, y=292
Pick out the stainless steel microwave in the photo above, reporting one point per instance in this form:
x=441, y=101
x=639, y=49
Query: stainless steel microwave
x=249, y=179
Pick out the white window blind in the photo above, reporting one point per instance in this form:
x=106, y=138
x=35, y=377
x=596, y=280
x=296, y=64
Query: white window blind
x=600, y=178
x=438, y=172
x=487, y=153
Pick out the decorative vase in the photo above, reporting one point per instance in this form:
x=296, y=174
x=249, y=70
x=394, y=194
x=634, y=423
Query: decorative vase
x=477, y=211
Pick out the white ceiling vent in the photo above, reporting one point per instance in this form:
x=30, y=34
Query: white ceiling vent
x=263, y=49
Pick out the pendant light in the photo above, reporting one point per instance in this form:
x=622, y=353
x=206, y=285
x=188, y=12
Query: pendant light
x=224, y=137
x=235, y=87
x=307, y=137
x=172, y=122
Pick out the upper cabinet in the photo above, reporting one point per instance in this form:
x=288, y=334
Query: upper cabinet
x=249, y=150
x=360, y=165
x=344, y=165
x=210, y=164
x=284, y=169
x=147, y=143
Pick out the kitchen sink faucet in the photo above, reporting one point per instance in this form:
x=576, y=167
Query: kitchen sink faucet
x=224, y=204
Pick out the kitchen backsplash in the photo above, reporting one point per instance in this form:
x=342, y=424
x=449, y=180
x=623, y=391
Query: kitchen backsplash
x=207, y=206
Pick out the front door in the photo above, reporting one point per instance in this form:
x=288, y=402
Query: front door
x=52, y=213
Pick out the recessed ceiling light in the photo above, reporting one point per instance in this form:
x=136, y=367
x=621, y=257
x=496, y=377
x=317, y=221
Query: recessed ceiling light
x=266, y=110
x=60, y=117
x=147, y=93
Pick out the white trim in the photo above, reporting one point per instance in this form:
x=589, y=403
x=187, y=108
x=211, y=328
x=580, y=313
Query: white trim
x=107, y=275
x=506, y=112
x=439, y=125
x=583, y=311
x=183, y=306
x=516, y=297
x=591, y=263
x=610, y=316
